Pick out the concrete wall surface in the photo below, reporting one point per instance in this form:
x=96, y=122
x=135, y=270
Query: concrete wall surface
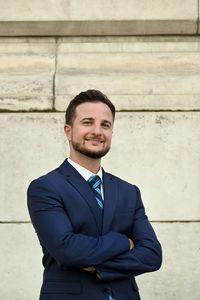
x=98, y=17
x=154, y=83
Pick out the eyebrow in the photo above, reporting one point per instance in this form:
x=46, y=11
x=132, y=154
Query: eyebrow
x=91, y=119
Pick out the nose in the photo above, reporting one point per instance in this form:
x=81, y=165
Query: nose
x=97, y=129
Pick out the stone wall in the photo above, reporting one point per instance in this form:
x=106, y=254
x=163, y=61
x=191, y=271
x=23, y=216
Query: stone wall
x=154, y=82
x=98, y=17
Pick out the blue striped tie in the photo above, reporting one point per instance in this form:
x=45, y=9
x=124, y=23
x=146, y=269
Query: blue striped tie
x=111, y=297
x=95, y=183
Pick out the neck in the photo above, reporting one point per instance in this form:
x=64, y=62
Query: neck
x=91, y=164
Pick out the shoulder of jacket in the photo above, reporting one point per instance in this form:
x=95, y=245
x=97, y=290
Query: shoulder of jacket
x=121, y=181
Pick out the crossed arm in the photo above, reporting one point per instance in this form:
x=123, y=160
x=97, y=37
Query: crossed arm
x=92, y=269
x=113, y=255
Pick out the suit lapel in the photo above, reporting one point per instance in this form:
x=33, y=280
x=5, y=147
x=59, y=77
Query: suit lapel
x=79, y=183
x=110, y=200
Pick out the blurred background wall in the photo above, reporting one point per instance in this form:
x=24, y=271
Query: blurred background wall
x=145, y=55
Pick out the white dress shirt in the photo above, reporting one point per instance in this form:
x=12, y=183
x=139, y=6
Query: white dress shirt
x=85, y=173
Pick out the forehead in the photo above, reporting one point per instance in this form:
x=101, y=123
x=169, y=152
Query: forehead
x=95, y=110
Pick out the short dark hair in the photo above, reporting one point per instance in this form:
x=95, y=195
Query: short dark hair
x=87, y=96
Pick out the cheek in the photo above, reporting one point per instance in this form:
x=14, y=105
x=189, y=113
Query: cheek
x=109, y=137
x=78, y=135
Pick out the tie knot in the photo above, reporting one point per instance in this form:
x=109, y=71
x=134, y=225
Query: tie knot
x=94, y=181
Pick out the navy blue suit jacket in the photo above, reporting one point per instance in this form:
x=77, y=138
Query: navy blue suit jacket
x=73, y=235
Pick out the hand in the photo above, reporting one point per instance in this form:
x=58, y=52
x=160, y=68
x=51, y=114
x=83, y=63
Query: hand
x=89, y=269
x=131, y=244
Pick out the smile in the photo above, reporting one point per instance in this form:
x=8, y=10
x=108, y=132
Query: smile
x=94, y=140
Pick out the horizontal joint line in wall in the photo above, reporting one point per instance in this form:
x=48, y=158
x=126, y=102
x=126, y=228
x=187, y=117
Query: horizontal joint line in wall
x=152, y=221
x=15, y=222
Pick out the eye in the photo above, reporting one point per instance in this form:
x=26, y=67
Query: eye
x=106, y=125
x=87, y=123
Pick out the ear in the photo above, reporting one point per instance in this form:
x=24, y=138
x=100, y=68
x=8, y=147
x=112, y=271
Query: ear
x=68, y=131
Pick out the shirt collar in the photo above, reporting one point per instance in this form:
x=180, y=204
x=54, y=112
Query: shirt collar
x=85, y=173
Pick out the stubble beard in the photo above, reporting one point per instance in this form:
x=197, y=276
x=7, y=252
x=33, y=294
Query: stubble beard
x=89, y=153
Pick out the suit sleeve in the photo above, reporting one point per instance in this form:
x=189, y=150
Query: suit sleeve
x=146, y=256
x=55, y=231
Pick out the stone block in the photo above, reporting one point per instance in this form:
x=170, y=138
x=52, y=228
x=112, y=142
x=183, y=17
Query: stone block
x=159, y=152
x=31, y=145
x=178, y=277
x=99, y=10
x=99, y=17
x=20, y=259
x=199, y=21
x=26, y=74
x=137, y=74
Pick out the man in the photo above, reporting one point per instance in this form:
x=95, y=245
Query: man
x=91, y=225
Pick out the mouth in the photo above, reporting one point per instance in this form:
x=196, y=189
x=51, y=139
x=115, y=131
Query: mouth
x=95, y=141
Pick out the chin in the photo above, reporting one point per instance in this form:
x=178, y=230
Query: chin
x=95, y=152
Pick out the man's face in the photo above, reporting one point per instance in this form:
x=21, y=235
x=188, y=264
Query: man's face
x=91, y=132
